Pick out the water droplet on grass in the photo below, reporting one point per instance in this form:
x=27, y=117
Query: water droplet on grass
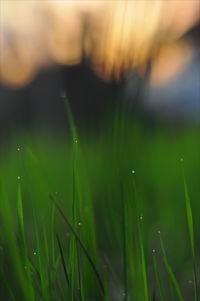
x=63, y=94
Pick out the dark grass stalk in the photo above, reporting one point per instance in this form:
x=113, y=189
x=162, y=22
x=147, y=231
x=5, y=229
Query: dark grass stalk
x=80, y=285
x=154, y=294
x=72, y=266
x=143, y=263
x=80, y=243
x=63, y=260
x=41, y=269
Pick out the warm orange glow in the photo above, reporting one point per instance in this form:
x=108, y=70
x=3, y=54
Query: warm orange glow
x=170, y=60
x=120, y=35
x=133, y=31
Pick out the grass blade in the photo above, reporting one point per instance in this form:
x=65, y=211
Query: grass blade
x=170, y=273
x=80, y=243
x=158, y=280
x=62, y=259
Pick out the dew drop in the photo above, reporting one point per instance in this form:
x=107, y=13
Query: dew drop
x=63, y=94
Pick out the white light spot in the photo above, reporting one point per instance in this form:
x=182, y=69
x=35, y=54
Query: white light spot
x=133, y=171
x=34, y=253
x=79, y=224
x=181, y=159
x=154, y=251
x=141, y=217
x=18, y=177
x=159, y=232
x=63, y=94
x=18, y=149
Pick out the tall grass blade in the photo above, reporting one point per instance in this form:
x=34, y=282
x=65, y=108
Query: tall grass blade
x=158, y=280
x=191, y=235
x=170, y=273
x=143, y=262
x=62, y=259
x=80, y=243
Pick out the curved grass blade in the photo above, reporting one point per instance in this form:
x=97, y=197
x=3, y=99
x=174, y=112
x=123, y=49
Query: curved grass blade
x=158, y=280
x=143, y=263
x=170, y=273
x=80, y=243
x=191, y=234
x=62, y=259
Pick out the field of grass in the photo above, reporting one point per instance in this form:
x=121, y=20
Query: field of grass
x=109, y=217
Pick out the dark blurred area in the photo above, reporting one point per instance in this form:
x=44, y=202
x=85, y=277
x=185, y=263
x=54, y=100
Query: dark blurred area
x=40, y=105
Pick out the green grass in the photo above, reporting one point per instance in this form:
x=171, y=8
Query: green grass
x=80, y=216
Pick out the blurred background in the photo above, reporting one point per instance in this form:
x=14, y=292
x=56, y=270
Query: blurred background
x=100, y=106
x=155, y=74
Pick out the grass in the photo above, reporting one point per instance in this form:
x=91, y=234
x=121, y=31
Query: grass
x=80, y=217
